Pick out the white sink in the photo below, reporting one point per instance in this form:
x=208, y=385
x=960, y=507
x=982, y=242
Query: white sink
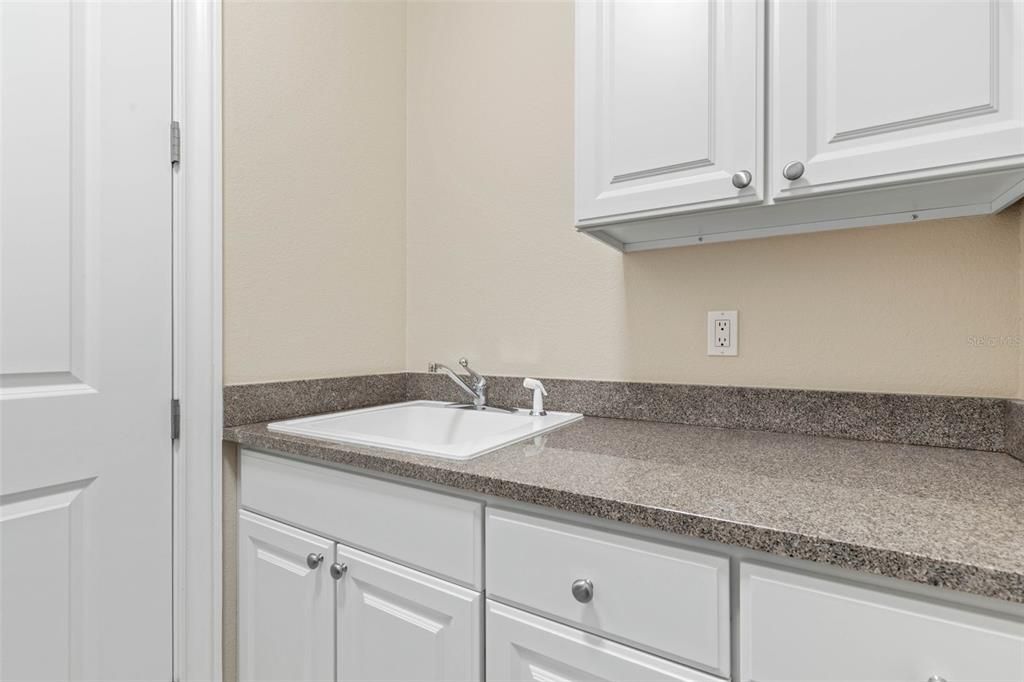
x=427, y=428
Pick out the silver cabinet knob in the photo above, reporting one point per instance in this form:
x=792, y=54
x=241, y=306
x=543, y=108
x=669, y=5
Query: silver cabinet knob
x=583, y=590
x=936, y=678
x=793, y=170
x=314, y=560
x=741, y=179
x=338, y=571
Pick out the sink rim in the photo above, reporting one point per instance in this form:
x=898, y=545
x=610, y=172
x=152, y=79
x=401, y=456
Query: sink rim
x=461, y=451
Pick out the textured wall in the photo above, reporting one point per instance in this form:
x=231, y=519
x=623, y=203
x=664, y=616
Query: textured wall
x=314, y=189
x=496, y=272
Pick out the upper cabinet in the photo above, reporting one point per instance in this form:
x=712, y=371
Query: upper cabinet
x=668, y=105
x=873, y=93
x=875, y=112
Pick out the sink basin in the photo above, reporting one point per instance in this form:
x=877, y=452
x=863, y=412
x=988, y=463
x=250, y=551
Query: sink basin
x=427, y=428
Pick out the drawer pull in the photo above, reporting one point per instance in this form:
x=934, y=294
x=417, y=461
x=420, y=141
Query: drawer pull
x=583, y=590
x=313, y=560
x=338, y=571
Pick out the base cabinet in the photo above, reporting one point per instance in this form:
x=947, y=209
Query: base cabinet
x=313, y=610
x=522, y=647
x=395, y=623
x=285, y=603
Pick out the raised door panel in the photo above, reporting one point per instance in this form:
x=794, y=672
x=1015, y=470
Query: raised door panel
x=285, y=606
x=668, y=106
x=397, y=624
x=522, y=647
x=873, y=93
x=799, y=628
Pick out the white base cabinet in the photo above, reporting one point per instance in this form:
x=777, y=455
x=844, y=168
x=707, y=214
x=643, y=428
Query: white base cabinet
x=522, y=647
x=395, y=623
x=566, y=601
x=285, y=605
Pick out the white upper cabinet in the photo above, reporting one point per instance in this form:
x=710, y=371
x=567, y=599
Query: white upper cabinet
x=873, y=93
x=668, y=106
x=700, y=121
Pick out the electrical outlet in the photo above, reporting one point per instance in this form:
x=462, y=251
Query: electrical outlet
x=723, y=332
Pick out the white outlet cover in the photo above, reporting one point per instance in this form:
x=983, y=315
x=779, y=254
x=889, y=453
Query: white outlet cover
x=734, y=332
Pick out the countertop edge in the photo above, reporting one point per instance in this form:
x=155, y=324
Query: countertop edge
x=957, y=576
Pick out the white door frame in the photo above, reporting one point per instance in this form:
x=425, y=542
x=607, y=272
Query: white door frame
x=197, y=230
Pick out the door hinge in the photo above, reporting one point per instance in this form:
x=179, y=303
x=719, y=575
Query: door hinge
x=175, y=418
x=175, y=142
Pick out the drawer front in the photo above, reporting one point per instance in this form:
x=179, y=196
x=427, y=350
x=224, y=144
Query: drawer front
x=798, y=628
x=436, y=533
x=672, y=601
x=522, y=647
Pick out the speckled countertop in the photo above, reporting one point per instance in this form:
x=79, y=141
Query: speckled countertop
x=938, y=516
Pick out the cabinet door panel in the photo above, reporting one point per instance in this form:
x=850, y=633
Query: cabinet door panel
x=871, y=93
x=522, y=647
x=398, y=624
x=285, y=608
x=668, y=105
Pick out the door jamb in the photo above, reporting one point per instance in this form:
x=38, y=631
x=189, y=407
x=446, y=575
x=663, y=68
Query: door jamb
x=197, y=311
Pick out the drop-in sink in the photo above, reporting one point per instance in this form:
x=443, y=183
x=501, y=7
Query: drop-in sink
x=427, y=428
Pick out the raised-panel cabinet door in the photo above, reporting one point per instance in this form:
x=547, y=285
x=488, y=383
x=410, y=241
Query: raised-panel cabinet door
x=668, y=106
x=522, y=647
x=285, y=602
x=872, y=93
x=396, y=624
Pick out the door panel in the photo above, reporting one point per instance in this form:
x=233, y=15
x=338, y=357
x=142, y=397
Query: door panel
x=85, y=340
x=868, y=93
x=398, y=624
x=522, y=647
x=668, y=105
x=285, y=607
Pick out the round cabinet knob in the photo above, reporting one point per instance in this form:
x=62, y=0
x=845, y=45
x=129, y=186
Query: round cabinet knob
x=314, y=560
x=741, y=179
x=338, y=571
x=793, y=170
x=583, y=590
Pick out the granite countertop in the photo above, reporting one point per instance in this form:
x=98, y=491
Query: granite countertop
x=938, y=516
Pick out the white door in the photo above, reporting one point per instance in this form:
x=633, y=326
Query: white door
x=522, y=647
x=285, y=602
x=871, y=93
x=399, y=625
x=85, y=341
x=668, y=106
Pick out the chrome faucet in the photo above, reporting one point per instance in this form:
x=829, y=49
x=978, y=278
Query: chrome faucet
x=477, y=391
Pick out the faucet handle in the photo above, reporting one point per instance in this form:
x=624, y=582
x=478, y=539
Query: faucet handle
x=479, y=380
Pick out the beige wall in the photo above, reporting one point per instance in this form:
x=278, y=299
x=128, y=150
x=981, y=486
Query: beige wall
x=348, y=250
x=314, y=189
x=496, y=272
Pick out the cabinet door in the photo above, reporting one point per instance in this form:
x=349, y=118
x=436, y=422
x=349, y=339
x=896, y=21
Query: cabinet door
x=874, y=93
x=285, y=606
x=668, y=106
x=522, y=647
x=397, y=624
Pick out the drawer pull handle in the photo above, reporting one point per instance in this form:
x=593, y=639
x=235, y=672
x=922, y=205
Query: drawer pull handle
x=583, y=590
x=313, y=560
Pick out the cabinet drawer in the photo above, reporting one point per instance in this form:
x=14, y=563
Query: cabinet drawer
x=798, y=628
x=663, y=598
x=522, y=647
x=437, y=533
